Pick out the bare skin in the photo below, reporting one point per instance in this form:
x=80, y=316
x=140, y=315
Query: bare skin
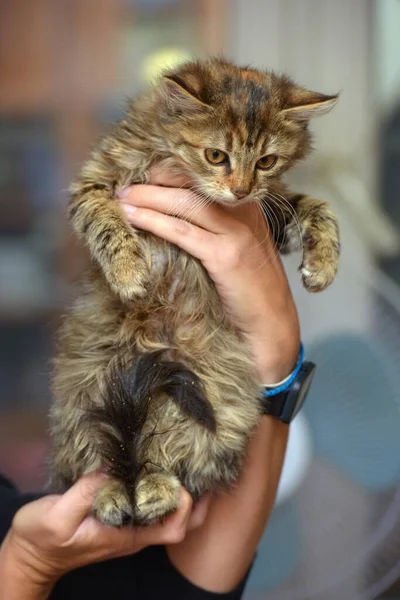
x=214, y=545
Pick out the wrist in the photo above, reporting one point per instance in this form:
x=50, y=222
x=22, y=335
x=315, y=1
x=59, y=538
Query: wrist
x=274, y=363
x=274, y=340
x=20, y=573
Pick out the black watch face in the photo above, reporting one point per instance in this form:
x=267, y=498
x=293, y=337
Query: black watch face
x=297, y=393
x=302, y=393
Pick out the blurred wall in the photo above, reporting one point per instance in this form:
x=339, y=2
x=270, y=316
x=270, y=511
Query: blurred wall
x=386, y=59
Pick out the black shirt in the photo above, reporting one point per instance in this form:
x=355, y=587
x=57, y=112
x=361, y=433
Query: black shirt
x=147, y=575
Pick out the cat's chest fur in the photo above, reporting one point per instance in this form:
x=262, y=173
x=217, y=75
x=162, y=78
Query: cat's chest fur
x=161, y=265
x=173, y=272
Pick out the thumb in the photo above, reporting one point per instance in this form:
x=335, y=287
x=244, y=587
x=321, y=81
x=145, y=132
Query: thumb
x=172, y=530
x=77, y=502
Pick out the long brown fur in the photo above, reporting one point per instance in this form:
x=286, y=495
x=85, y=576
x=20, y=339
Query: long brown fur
x=152, y=381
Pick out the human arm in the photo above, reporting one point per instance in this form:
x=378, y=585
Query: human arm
x=236, y=249
x=56, y=534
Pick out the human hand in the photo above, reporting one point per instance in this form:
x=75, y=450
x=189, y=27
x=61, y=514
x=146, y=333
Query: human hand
x=236, y=248
x=56, y=534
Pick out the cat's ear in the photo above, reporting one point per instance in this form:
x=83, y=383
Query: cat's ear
x=303, y=105
x=181, y=95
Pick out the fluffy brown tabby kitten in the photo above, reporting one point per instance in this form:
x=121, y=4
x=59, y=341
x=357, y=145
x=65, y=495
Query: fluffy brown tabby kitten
x=153, y=384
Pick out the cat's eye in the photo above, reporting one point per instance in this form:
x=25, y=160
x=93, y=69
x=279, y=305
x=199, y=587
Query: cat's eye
x=267, y=162
x=216, y=157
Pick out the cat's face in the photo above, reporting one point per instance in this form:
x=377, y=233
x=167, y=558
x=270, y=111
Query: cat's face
x=236, y=130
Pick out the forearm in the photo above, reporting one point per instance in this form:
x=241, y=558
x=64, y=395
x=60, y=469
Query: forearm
x=217, y=556
x=17, y=579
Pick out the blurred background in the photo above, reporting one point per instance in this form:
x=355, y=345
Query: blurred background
x=66, y=68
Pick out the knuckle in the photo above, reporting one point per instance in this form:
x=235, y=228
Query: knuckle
x=177, y=535
x=232, y=253
x=91, y=487
x=54, y=532
x=18, y=521
x=235, y=249
x=182, y=227
x=246, y=237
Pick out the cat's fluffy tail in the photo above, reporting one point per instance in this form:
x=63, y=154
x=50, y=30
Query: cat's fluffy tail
x=118, y=422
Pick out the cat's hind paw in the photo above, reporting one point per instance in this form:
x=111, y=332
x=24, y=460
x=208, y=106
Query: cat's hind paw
x=157, y=495
x=112, y=505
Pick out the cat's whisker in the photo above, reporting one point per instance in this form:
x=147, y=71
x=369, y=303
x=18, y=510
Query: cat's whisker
x=205, y=200
x=278, y=236
x=270, y=225
x=267, y=216
x=282, y=238
x=266, y=222
x=196, y=205
x=188, y=212
x=281, y=199
x=274, y=251
x=181, y=200
x=271, y=213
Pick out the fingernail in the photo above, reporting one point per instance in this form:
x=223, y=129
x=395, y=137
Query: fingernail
x=123, y=192
x=128, y=208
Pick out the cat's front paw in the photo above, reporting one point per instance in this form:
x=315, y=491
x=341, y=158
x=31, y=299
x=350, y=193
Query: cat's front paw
x=319, y=267
x=128, y=276
x=112, y=506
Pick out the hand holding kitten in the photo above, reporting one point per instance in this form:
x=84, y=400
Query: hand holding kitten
x=56, y=534
x=236, y=248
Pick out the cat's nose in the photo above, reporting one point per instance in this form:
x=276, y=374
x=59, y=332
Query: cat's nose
x=240, y=193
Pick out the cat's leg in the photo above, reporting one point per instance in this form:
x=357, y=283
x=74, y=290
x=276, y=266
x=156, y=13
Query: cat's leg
x=76, y=453
x=316, y=231
x=113, y=243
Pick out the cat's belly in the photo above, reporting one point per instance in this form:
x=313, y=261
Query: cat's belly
x=178, y=270
x=182, y=308
x=160, y=264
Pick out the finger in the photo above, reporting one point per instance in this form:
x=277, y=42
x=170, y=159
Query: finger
x=174, y=528
x=120, y=542
x=194, y=240
x=199, y=513
x=77, y=502
x=183, y=203
x=161, y=175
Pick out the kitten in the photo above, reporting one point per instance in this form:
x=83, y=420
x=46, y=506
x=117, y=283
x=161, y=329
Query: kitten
x=153, y=383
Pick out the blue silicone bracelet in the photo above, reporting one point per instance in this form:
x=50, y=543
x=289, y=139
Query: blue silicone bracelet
x=267, y=392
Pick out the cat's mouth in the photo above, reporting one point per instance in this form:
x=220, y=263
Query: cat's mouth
x=234, y=200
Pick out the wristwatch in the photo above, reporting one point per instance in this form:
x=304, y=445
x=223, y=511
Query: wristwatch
x=285, y=399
